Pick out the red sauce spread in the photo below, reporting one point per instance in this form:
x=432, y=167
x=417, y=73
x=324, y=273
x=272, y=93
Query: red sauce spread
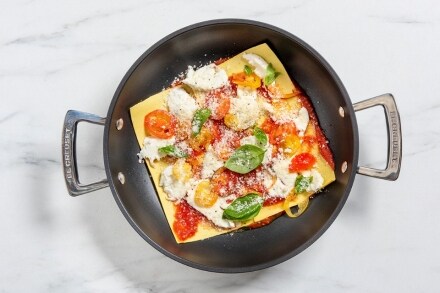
x=322, y=141
x=186, y=220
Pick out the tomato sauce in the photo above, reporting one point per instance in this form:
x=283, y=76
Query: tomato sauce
x=186, y=221
x=324, y=149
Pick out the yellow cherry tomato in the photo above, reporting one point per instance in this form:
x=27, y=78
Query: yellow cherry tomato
x=204, y=197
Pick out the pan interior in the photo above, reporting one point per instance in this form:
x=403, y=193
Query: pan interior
x=201, y=44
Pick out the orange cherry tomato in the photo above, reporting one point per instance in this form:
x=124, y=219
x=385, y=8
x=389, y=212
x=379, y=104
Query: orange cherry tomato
x=302, y=162
x=220, y=104
x=280, y=132
x=268, y=125
x=159, y=124
x=243, y=79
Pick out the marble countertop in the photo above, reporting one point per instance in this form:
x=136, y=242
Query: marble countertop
x=61, y=55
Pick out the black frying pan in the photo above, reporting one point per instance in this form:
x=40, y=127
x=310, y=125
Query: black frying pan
x=205, y=42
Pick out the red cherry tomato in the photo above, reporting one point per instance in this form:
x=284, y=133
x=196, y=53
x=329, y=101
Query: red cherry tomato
x=160, y=124
x=302, y=162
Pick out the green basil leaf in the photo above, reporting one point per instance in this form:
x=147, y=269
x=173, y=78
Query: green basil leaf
x=260, y=136
x=173, y=151
x=200, y=117
x=244, y=208
x=271, y=74
x=247, y=70
x=301, y=183
x=245, y=159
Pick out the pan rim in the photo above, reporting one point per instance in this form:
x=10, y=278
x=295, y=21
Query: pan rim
x=351, y=115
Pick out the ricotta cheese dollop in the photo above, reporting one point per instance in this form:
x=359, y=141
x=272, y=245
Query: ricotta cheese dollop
x=174, y=188
x=151, y=148
x=259, y=64
x=181, y=104
x=317, y=180
x=206, y=78
x=285, y=181
x=210, y=163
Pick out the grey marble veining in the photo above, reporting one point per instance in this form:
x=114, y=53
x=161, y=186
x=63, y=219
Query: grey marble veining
x=56, y=56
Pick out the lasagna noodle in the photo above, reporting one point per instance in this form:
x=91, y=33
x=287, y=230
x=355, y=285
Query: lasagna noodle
x=157, y=101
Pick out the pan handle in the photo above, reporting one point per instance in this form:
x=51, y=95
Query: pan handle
x=74, y=187
x=392, y=170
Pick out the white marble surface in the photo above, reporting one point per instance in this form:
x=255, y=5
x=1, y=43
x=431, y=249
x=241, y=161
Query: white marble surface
x=60, y=55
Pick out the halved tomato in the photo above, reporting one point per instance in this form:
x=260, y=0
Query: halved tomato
x=280, y=132
x=249, y=80
x=219, y=104
x=160, y=124
x=302, y=162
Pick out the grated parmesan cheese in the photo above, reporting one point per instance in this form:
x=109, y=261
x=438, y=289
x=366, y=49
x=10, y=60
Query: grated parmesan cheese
x=245, y=108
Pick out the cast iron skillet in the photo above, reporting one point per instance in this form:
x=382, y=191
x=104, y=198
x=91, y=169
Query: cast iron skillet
x=198, y=44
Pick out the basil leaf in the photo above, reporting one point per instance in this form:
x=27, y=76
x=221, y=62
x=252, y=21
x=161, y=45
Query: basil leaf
x=200, y=117
x=245, y=159
x=173, y=151
x=260, y=136
x=244, y=208
x=301, y=183
x=247, y=70
x=271, y=74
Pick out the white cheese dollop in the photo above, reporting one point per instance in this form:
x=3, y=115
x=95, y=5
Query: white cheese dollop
x=285, y=181
x=151, y=148
x=174, y=189
x=206, y=78
x=279, y=189
x=211, y=163
x=214, y=213
x=281, y=170
x=259, y=64
x=317, y=181
x=245, y=108
x=181, y=104
x=301, y=121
